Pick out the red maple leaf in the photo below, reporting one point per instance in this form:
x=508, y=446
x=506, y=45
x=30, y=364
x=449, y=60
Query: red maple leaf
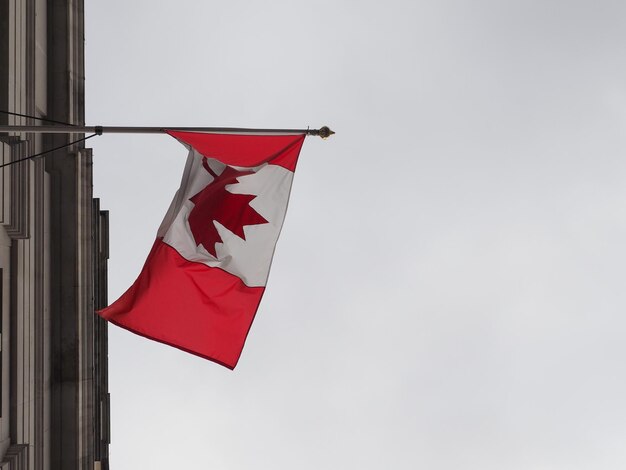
x=215, y=204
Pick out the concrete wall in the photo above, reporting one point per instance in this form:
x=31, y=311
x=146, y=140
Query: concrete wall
x=53, y=249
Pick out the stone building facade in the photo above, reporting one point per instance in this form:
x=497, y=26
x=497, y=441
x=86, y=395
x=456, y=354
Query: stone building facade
x=54, y=406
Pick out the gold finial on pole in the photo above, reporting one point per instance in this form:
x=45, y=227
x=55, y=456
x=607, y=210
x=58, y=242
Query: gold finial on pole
x=325, y=132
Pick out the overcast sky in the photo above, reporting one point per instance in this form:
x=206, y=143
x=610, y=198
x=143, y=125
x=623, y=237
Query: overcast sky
x=448, y=290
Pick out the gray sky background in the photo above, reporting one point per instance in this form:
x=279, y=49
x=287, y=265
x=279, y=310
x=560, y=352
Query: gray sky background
x=448, y=291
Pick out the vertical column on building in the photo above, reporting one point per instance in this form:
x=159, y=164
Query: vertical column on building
x=23, y=221
x=72, y=344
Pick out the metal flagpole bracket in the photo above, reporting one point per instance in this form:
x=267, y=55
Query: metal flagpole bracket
x=323, y=132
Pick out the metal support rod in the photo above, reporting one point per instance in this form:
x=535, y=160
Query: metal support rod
x=323, y=132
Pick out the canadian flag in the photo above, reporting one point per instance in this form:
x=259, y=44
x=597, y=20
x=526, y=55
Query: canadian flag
x=202, y=283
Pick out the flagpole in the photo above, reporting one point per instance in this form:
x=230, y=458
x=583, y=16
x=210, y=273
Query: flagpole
x=323, y=132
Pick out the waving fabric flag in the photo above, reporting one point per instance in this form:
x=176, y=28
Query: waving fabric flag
x=201, y=285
